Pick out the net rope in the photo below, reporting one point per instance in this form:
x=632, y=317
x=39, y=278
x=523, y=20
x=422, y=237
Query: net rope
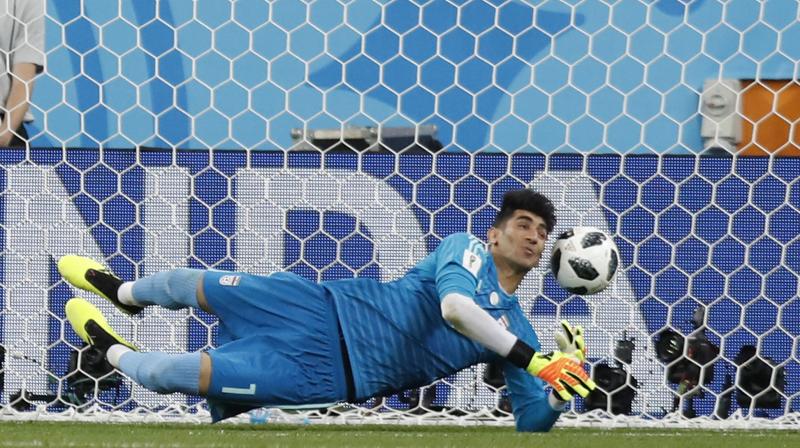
x=594, y=103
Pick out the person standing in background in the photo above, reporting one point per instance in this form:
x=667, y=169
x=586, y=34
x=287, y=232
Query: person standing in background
x=21, y=59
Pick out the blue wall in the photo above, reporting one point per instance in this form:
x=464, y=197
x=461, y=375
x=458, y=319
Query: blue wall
x=493, y=75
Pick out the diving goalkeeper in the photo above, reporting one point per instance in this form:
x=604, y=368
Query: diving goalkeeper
x=286, y=341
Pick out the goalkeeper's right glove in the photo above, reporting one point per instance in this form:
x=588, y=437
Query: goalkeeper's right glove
x=563, y=372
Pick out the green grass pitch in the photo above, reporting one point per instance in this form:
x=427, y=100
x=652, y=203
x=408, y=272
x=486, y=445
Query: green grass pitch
x=48, y=434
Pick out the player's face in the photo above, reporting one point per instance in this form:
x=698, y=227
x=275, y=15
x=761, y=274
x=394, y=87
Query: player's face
x=520, y=240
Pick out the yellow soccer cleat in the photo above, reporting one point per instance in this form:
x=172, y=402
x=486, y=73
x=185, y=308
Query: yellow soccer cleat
x=90, y=324
x=91, y=276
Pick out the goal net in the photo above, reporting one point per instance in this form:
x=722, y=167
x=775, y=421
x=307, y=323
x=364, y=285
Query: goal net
x=339, y=139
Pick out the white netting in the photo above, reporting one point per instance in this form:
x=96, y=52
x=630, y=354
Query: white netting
x=595, y=103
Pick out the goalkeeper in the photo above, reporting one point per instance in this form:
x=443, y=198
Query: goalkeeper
x=287, y=341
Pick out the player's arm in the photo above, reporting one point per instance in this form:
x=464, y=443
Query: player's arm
x=534, y=409
x=456, y=283
x=563, y=372
x=459, y=260
x=463, y=314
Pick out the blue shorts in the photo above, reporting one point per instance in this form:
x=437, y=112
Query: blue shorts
x=278, y=344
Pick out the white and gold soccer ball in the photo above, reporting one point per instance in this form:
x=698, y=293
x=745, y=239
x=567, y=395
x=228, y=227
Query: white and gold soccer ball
x=584, y=260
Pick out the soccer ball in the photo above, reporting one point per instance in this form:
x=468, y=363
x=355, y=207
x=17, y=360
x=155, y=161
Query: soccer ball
x=584, y=260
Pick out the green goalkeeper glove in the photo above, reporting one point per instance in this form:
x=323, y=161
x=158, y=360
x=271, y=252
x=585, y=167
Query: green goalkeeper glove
x=570, y=340
x=563, y=372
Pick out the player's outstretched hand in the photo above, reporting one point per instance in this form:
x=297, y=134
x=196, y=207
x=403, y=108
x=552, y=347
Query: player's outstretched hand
x=570, y=340
x=563, y=372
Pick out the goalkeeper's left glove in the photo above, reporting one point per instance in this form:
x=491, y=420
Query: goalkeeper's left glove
x=563, y=372
x=570, y=340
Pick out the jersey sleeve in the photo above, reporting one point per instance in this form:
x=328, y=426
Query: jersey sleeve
x=459, y=259
x=29, y=38
x=532, y=410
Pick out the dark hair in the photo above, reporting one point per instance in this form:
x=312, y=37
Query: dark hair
x=529, y=200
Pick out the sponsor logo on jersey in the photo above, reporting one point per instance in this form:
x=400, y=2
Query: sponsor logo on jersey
x=229, y=280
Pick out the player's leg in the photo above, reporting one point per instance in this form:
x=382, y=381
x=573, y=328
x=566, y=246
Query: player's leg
x=173, y=289
x=303, y=365
x=188, y=373
x=287, y=370
x=164, y=373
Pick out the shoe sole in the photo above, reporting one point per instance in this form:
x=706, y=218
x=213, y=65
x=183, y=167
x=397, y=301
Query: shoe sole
x=80, y=312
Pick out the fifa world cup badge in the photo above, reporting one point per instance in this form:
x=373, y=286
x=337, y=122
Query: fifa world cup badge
x=229, y=280
x=471, y=262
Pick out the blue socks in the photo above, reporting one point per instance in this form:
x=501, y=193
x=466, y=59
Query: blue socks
x=163, y=373
x=174, y=289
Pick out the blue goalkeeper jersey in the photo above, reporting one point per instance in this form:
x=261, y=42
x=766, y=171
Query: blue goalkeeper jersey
x=397, y=338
